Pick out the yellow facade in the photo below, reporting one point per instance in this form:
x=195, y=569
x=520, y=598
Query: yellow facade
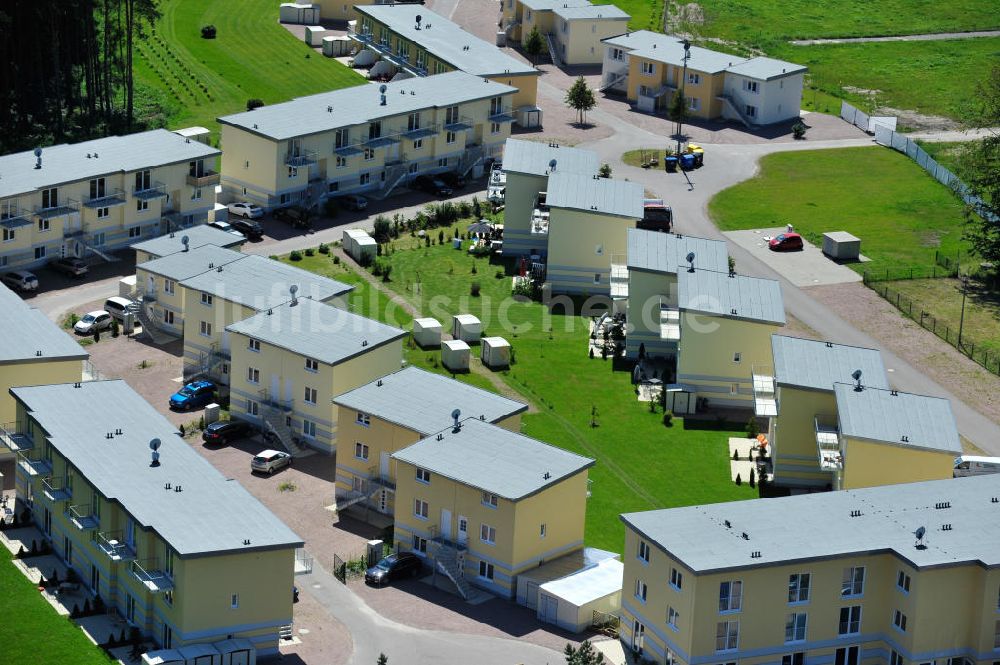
x=648, y=292
x=647, y=76
x=522, y=190
x=579, y=41
x=581, y=247
x=169, y=305
x=34, y=372
x=873, y=463
x=206, y=342
x=793, y=436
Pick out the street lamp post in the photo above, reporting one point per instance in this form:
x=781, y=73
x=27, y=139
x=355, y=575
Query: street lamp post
x=680, y=109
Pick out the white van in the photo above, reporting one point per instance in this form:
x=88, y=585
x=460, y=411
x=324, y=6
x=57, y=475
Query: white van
x=972, y=465
x=117, y=306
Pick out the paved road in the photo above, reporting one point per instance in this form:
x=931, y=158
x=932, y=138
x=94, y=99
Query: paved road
x=927, y=37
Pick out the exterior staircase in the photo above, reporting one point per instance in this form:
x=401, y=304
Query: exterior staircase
x=615, y=80
x=734, y=109
x=151, y=328
x=553, y=52
x=510, y=26
x=285, y=632
x=472, y=156
x=274, y=423
x=446, y=562
x=104, y=255
x=394, y=175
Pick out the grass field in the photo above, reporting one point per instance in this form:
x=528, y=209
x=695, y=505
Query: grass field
x=944, y=153
x=251, y=57
x=942, y=298
x=32, y=632
x=641, y=463
x=636, y=157
x=901, y=214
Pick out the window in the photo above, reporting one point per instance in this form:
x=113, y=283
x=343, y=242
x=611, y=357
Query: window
x=750, y=86
x=798, y=587
x=694, y=104
x=795, y=627
x=369, y=154
x=8, y=235
x=751, y=111
x=730, y=596
x=443, y=162
x=797, y=658
x=363, y=419
x=496, y=105
x=676, y=579
x=134, y=232
x=643, y=91
x=895, y=658
x=727, y=635
x=141, y=205
x=98, y=239
x=374, y=130
x=413, y=121
x=418, y=144
x=494, y=128
x=541, y=531
x=638, y=636
x=206, y=298
x=168, y=286
x=142, y=180
x=643, y=553
x=420, y=508
x=284, y=198
x=365, y=178
x=360, y=451
x=103, y=213
x=693, y=78
x=899, y=620
x=341, y=139
x=737, y=357
x=168, y=317
x=310, y=395
x=853, y=583
x=487, y=534
x=312, y=365
x=234, y=601
x=617, y=54
x=196, y=194
x=640, y=591
x=253, y=408
x=648, y=68
x=168, y=598
x=597, y=278
x=341, y=162
x=98, y=188
x=599, y=250
x=486, y=570
x=50, y=197
x=996, y=635
x=903, y=582
x=673, y=618
x=423, y=475
x=206, y=328
x=254, y=345
x=490, y=499
x=43, y=224
x=40, y=252
x=309, y=429
x=450, y=137
x=419, y=544
x=253, y=375
x=850, y=620
x=847, y=656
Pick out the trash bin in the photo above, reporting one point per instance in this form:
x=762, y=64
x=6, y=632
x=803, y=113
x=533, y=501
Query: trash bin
x=698, y=152
x=687, y=162
x=670, y=163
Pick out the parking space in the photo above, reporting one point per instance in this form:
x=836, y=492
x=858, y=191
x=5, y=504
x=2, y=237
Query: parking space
x=809, y=267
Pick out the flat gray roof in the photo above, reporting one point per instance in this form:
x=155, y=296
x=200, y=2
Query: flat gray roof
x=107, y=156
x=902, y=419
x=591, y=12
x=766, y=69
x=592, y=194
x=210, y=515
x=326, y=333
x=736, y=296
x=654, y=251
x=549, y=5
x=261, y=283
x=29, y=335
x=199, y=235
x=494, y=459
x=807, y=363
x=533, y=158
x=445, y=40
x=423, y=401
x=179, y=266
x=819, y=526
x=361, y=104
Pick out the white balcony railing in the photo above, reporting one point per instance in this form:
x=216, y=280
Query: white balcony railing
x=150, y=575
x=33, y=467
x=828, y=448
x=55, y=489
x=82, y=517
x=113, y=544
x=764, y=391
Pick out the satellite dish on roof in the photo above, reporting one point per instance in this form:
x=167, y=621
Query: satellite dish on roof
x=552, y=165
x=856, y=375
x=690, y=259
x=455, y=415
x=38, y=158
x=184, y=241
x=919, y=533
x=154, y=445
x=382, y=88
x=293, y=289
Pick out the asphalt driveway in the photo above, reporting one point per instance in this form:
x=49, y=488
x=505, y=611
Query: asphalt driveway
x=810, y=267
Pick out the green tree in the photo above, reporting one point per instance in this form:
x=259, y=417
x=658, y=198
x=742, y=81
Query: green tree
x=534, y=45
x=980, y=171
x=585, y=654
x=580, y=98
x=382, y=659
x=678, y=110
x=604, y=171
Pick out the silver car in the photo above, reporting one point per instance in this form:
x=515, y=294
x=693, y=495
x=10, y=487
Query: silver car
x=93, y=322
x=20, y=280
x=246, y=210
x=270, y=461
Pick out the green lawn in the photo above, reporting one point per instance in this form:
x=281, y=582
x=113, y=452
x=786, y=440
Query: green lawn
x=944, y=153
x=253, y=56
x=32, y=632
x=901, y=214
x=942, y=299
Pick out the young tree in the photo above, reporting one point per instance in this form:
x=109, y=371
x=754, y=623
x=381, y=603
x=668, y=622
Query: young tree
x=382, y=659
x=534, y=45
x=585, y=654
x=604, y=171
x=581, y=98
x=678, y=110
x=980, y=170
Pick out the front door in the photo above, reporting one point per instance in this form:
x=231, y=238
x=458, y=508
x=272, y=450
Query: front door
x=95, y=579
x=47, y=522
x=638, y=636
x=463, y=530
x=847, y=656
x=275, y=388
x=446, y=524
x=383, y=464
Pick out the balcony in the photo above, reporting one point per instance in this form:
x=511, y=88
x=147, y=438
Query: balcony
x=55, y=489
x=502, y=114
x=33, y=467
x=619, y=278
x=155, y=191
x=380, y=481
x=764, y=395
x=83, y=517
x=15, y=218
x=106, y=199
x=148, y=573
x=300, y=158
x=112, y=543
x=459, y=124
x=828, y=443
x=670, y=321
x=380, y=141
x=67, y=207
x=14, y=440
x=206, y=179
x=420, y=132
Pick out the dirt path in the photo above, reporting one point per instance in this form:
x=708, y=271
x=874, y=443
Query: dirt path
x=927, y=37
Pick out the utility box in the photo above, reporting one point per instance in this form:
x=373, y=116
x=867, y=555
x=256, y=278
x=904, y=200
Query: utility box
x=455, y=355
x=427, y=333
x=335, y=46
x=237, y=651
x=495, y=352
x=300, y=13
x=373, y=550
x=212, y=413
x=163, y=657
x=126, y=286
x=841, y=246
x=314, y=35
x=467, y=328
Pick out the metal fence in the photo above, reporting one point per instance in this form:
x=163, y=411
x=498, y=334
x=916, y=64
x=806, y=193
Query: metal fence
x=863, y=121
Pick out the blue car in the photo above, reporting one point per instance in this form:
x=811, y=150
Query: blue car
x=193, y=396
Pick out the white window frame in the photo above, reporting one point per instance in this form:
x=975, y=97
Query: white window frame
x=541, y=530
x=694, y=78
x=206, y=329
x=648, y=68
x=308, y=429
x=676, y=579
x=310, y=395
x=421, y=509
x=844, y=627
x=253, y=375
x=312, y=365
x=450, y=137
x=490, y=500
x=363, y=419
x=642, y=552
x=903, y=582
x=751, y=111
x=423, y=476
x=103, y=213
x=799, y=585
x=727, y=634
x=641, y=591
x=234, y=601
x=899, y=620
x=487, y=534
x=486, y=570
x=168, y=317
x=694, y=103
x=341, y=162
x=168, y=286
x=253, y=407
x=361, y=450
x=796, y=627
x=418, y=144
x=44, y=224
x=851, y=586
x=141, y=205
x=673, y=618
x=253, y=345
x=730, y=596
x=206, y=298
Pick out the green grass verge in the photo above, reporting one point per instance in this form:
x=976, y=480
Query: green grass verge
x=636, y=157
x=942, y=299
x=32, y=632
x=901, y=214
x=252, y=56
x=946, y=154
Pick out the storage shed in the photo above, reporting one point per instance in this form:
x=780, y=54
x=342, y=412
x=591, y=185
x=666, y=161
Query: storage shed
x=466, y=327
x=841, y=246
x=200, y=654
x=427, y=333
x=237, y=651
x=315, y=34
x=299, y=12
x=571, y=602
x=455, y=355
x=163, y=657
x=495, y=352
x=357, y=243
x=335, y=46
x=366, y=246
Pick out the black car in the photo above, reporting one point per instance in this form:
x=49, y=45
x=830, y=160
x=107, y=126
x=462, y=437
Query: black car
x=432, y=185
x=394, y=567
x=453, y=179
x=70, y=265
x=295, y=216
x=225, y=431
x=248, y=228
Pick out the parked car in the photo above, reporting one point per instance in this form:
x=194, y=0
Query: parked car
x=70, y=265
x=453, y=179
x=193, y=396
x=20, y=280
x=119, y=306
x=786, y=242
x=353, y=202
x=295, y=216
x=246, y=209
x=93, y=322
x=270, y=461
x=227, y=227
x=224, y=431
x=432, y=185
x=250, y=229
x=393, y=567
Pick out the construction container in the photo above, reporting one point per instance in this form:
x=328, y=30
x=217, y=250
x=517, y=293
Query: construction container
x=201, y=654
x=238, y=651
x=841, y=246
x=495, y=352
x=336, y=46
x=299, y=13
x=427, y=333
x=315, y=34
x=126, y=286
x=366, y=246
x=455, y=355
x=357, y=243
x=467, y=328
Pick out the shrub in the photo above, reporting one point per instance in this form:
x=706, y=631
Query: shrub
x=477, y=210
x=365, y=261
x=386, y=271
x=736, y=455
x=310, y=251
x=295, y=255
x=181, y=430
x=114, y=328
x=441, y=237
x=799, y=130
x=336, y=260
x=499, y=274
x=382, y=229
x=604, y=171
x=474, y=270
x=668, y=418
x=753, y=479
x=474, y=289
x=323, y=248
x=254, y=103
x=739, y=479
x=201, y=422
x=752, y=428
x=97, y=336
x=591, y=353
x=208, y=32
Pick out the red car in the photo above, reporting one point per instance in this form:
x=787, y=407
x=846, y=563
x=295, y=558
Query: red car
x=786, y=242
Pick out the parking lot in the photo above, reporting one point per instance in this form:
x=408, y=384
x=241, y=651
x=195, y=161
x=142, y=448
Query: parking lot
x=809, y=267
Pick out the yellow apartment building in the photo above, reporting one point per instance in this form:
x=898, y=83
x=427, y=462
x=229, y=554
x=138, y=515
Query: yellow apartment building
x=899, y=574
x=573, y=28
x=418, y=42
x=179, y=551
x=649, y=68
x=290, y=360
x=362, y=140
x=393, y=412
x=646, y=281
x=527, y=165
x=588, y=222
x=725, y=326
x=235, y=291
x=185, y=239
x=482, y=504
x=102, y=195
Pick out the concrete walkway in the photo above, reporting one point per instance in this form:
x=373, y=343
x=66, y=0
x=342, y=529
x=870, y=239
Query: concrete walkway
x=927, y=37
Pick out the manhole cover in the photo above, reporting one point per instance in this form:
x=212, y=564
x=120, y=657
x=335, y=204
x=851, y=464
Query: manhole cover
x=303, y=631
x=317, y=586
